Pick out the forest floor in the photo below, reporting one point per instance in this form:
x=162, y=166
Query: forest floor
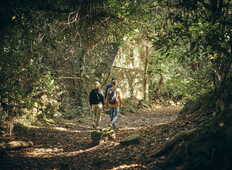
x=67, y=144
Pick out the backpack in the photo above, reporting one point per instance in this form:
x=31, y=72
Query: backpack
x=112, y=96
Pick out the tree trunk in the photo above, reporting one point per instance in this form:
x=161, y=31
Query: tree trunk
x=145, y=77
x=81, y=83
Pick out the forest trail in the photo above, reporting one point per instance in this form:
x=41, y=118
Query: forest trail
x=68, y=145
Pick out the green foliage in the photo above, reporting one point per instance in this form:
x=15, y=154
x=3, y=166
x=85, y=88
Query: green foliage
x=45, y=49
x=193, y=46
x=49, y=48
x=24, y=78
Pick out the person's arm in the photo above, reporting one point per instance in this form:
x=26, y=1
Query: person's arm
x=120, y=97
x=106, y=99
x=102, y=97
x=91, y=99
x=106, y=91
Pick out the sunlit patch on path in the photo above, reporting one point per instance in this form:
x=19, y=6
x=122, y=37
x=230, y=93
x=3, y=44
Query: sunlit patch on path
x=127, y=166
x=51, y=152
x=62, y=129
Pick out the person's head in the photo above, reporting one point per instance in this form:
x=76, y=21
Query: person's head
x=114, y=83
x=97, y=85
x=113, y=80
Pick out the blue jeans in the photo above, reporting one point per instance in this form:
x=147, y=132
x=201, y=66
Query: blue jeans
x=114, y=111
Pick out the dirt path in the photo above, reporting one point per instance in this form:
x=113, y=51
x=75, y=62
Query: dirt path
x=68, y=144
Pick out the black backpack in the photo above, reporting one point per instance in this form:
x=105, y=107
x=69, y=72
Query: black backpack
x=112, y=96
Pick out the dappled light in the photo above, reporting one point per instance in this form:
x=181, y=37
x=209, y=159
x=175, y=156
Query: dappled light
x=128, y=166
x=62, y=129
x=131, y=128
x=43, y=152
x=70, y=140
x=59, y=152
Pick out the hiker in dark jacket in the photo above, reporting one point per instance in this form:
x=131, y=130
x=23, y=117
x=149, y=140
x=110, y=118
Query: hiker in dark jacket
x=96, y=101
